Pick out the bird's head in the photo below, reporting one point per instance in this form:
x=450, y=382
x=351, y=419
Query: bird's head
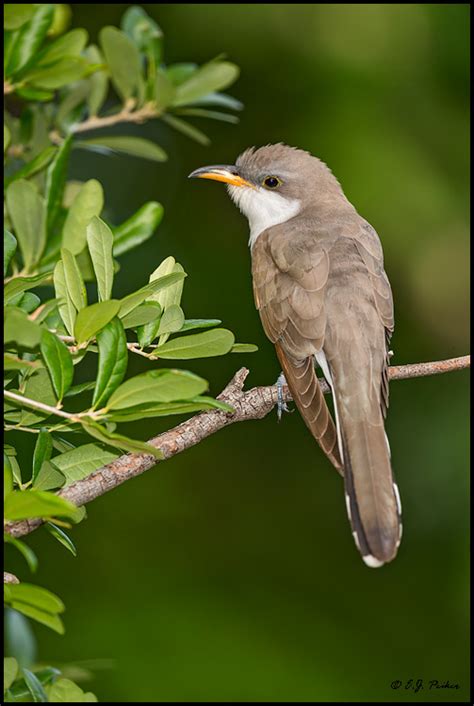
x=272, y=184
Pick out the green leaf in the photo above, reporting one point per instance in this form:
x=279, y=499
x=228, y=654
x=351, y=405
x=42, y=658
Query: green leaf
x=131, y=301
x=79, y=389
x=42, y=452
x=9, y=455
x=29, y=39
x=27, y=553
x=143, y=31
x=186, y=129
x=123, y=59
x=79, y=463
x=20, y=284
x=36, y=165
x=66, y=307
x=191, y=324
x=100, y=243
x=61, y=537
x=10, y=665
x=28, y=215
x=143, y=314
x=65, y=690
x=181, y=72
x=11, y=362
x=70, y=44
x=135, y=146
x=35, y=595
x=119, y=441
x=191, y=406
x=172, y=320
x=157, y=386
x=244, y=348
x=34, y=94
x=19, y=691
x=51, y=620
x=221, y=100
x=7, y=476
x=88, y=202
x=6, y=138
x=211, y=77
x=62, y=73
x=171, y=295
x=73, y=279
x=20, y=640
x=72, y=107
x=29, y=302
x=218, y=341
x=23, y=505
x=16, y=15
x=55, y=182
x=38, y=387
x=49, y=478
x=163, y=90
x=166, y=298
x=93, y=318
x=113, y=359
x=35, y=687
x=58, y=361
x=98, y=81
x=20, y=329
x=9, y=247
x=212, y=114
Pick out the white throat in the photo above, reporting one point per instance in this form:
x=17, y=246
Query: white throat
x=263, y=208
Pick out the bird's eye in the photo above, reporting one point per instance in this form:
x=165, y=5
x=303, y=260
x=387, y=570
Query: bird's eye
x=271, y=182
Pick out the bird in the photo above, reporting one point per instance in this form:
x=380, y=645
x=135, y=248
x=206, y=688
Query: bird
x=325, y=301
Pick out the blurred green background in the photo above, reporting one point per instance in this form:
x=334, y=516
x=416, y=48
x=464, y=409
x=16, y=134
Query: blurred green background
x=229, y=573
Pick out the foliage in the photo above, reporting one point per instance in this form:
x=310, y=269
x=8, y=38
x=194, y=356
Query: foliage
x=60, y=263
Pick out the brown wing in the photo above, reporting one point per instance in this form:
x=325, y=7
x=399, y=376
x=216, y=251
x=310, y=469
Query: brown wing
x=289, y=279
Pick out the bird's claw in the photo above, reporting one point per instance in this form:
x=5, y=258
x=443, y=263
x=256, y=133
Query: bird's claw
x=281, y=404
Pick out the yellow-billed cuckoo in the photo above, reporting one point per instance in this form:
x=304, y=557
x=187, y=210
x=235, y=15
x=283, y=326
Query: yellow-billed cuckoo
x=323, y=296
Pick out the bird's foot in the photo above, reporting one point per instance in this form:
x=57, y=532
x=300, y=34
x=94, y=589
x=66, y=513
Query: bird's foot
x=281, y=404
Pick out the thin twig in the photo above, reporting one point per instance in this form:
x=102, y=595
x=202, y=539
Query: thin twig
x=126, y=115
x=251, y=404
x=132, y=347
x=34, y=404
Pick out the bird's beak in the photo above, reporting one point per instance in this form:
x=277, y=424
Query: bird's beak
x=221, y=172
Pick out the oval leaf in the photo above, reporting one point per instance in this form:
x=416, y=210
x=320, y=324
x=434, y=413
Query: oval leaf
x=135, y=146
x=219, y=341
x=73, y=280
x=88, y=202
x=113, y=359
x=42, y=452
x=209, y=78
x=123, y=59
x=58, y=361
x=157, y=386
x=93, y=318
x=22, y=505
x=28, y=215
x=100, y=242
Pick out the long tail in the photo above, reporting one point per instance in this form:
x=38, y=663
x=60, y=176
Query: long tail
x=372, y=497
x=306, y=392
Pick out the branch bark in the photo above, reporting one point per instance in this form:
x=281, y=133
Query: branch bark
x=251, y=404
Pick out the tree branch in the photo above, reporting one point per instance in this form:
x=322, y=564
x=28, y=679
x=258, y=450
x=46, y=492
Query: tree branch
x=251, y=404
x=126, y=115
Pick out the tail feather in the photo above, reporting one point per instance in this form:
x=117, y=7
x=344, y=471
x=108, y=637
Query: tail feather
x=372, y=497
x=309, y=398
